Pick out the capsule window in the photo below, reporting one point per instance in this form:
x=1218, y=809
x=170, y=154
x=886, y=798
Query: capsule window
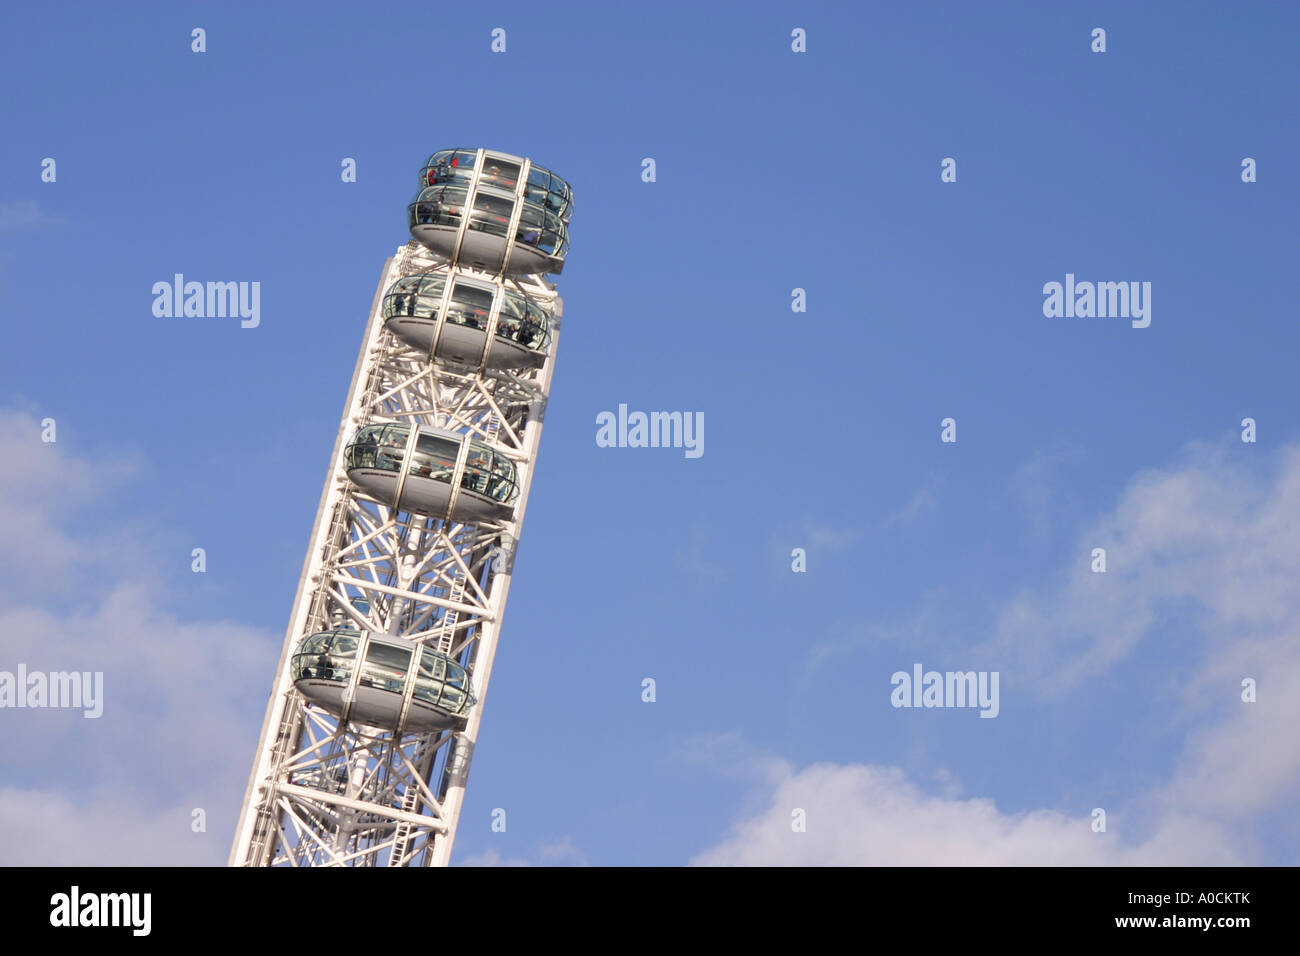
x=531, y=217
x=397, y=659
x=438, y=206
x=491, y=214
x=437, y=168
x=427, y=303
x=343, y=645
x=432, y=666
x=327, y=656
x=513, y=306
x=434, y=457
x=452, y=699
x=499, y=173
x=473, y=305
x=386, y=667
x=405, y=298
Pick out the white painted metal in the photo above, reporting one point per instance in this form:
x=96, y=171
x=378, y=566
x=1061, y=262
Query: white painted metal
x=328, y=792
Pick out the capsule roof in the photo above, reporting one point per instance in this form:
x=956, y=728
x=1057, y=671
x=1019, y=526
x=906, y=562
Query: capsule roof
x=501, y=171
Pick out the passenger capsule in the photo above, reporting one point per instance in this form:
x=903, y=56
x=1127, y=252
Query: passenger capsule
x=374, y=678
x=443, y=474
x=520, y=328
x=486, y=187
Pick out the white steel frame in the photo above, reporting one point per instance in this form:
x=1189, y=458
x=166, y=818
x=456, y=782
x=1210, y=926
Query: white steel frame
x=324, y=791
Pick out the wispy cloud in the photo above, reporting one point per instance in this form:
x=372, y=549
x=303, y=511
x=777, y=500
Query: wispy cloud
x=1210, y=536
x=1210, y=533
x=827, y=540
x=698, y=559
x=922, y=502
x=1038, y=490
x=558, y=853
x=24, y=214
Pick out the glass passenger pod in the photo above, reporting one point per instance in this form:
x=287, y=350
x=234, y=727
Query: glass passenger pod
x=520, y=339
x=368, y=678
x=501, y=170
x=541, y=236
x=448, y=475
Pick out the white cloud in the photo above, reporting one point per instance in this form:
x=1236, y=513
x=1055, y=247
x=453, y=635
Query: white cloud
x=493, y=858
x=182, y=699
x=861, y=815
x=1042, y=499
x=559, y=853
x=923, y=502
x=49, y=828
x=44, y=490
x=1207, y=554
x=1209, y=535
x=179, y=697
x=828, y=540
x=19, y=215
x=1248, y=760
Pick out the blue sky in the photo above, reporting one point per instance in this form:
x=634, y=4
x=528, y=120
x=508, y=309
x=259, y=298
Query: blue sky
x=775, y=171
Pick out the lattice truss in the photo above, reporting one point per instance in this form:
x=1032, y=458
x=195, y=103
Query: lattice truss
x=342, y=793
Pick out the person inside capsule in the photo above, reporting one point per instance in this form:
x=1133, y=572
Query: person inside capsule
x=475, y=474
x=528, y=329
x=390, y=454
x=423, y=306
x=498, y=484
x=471, y=317
x=365, y=451
x=324, y=666
x=426, y=212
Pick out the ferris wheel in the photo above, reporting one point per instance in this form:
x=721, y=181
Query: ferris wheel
x=375, y=707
